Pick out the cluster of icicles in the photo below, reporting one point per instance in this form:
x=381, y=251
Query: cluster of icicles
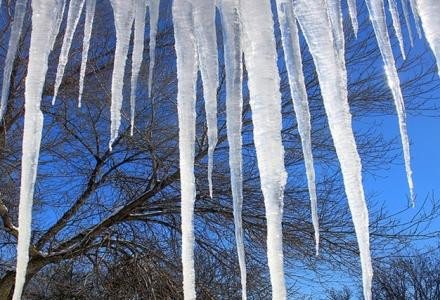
x=248, y=30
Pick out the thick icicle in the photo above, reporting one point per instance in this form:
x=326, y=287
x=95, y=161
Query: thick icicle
x=153, y=8
x=58, y=21
x=17, y=25
x=415, y=11
x=231, y=24
x=407, y=22
x=187, y=75
x=123, y=13
x=265, y=100
x=377, y=16
x=430, y=14
x=90, y=13
x=205, y=33
x=313, y=20
x=396, y=24
x=292, y=55
x=353, y=15
x=43, y=13
x=140, y=9
x=75, y=8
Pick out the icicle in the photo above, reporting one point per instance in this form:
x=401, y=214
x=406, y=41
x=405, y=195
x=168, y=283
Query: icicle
x=415, y=12
x=313, y=19
x=124, y=13
x=292, y=55
x=430, y=15
x=353, y=16
x=43, y=13
x=187, y=75
x=75, y=8
x=230, y=16
x=140, y=9
x=396, y=24
x=205, y=33
x=265, y=99
x=408, y=24
x=377, y=16
x=88, y=24
x=17, y=25
x=58, y=21
x=153, y=8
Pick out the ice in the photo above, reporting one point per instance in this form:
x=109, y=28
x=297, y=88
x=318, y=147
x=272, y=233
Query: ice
x=123, y=14
x=430, y=14
x=415, y=11
x=17, y=25
x=377, y=17
x=265, y=100
x=73, y=15
x=205, y=34
x=58, y=21
x=396, y=24
x=186, y=54
x=408, y=24
x=315, y=25
x=90, y=13
x=292, y=55
x=353, y=15
x=43, y=16
x=140, y=9
x=231, y=24
x=153, y=8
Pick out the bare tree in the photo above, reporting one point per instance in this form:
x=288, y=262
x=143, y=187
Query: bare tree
x=107, y=224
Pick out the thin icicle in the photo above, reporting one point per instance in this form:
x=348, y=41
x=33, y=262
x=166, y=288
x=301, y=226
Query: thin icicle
x=43, y=13
x=265, y=100
x=75, y=8
x=231, y=24
x=187, y=75
x=140, y=9
x=415, y=11
x=352, y=9
x=430, y=15
x=124, y=14
x=408, y=23
x=377, y=16
x=205, y=33
x=292, y=55
x=153, y=8
x=396, y=24
x=17, y=25
x=314, y=22
x=58, y=21
x=90, y=13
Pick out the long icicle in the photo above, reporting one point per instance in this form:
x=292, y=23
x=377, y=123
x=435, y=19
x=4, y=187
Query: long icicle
x=430, y=14
x=124, y=14
x=58, y=20
x=396, y=24
x=43, y=13
x=186, y=84
x=88, y=24
x=314, y=22
x=352, y=9
x=292, y=55
x=153, y=8
x=265, y=100
x=17, y=25
x=140, y=9
x=231, y=24
x=377, y=16
x=205, y=33
x=407, y=22
x=73, y=15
